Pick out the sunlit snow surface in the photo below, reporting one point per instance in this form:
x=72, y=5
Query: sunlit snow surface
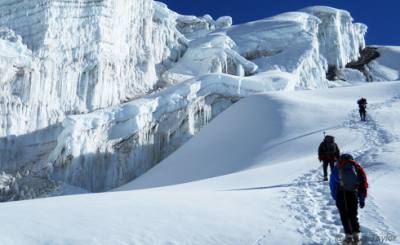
x=250, y=177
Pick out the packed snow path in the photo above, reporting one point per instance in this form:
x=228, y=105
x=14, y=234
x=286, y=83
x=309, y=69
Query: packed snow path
x=310, y=200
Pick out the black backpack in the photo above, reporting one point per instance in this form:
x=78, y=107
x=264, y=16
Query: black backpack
x=362, y=103
x=348, y=177
x=329, y=146
x=329, y=139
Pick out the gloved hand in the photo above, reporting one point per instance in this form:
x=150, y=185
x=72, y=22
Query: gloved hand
x=362, y=203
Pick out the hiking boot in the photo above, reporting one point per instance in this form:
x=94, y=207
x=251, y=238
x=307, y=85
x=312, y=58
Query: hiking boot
x=325, y=178
x=356, y=238
x=348, y=239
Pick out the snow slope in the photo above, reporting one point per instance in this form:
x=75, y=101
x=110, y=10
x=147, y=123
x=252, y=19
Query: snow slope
x=254, y=181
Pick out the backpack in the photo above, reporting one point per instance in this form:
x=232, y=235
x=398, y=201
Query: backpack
x=329, y=139
x=362, y=103
x=329, y=146
x=348, y=176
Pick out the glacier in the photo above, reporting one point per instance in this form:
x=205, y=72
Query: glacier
x=81, y=56
x=95, y=93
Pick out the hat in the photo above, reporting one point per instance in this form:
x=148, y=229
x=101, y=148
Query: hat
x=345, y=157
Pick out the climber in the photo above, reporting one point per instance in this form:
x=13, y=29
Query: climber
x=328, y=153
x=348, y=185
x=362, y=105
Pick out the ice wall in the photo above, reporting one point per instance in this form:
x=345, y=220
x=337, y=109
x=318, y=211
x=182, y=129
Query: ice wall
x=287, y=42
x=340, y=39
x=87, y=54
x=16, y=72
x=63, y=58
x=95, y=62
x=107, y=148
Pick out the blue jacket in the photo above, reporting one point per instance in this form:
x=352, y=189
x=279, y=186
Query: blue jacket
x=334, y=184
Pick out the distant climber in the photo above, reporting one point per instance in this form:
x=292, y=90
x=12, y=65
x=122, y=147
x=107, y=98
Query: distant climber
x=348, y=185
x=328, y=153
x=362, y=105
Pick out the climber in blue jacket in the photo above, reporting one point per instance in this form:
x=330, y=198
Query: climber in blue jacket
x=348, y=185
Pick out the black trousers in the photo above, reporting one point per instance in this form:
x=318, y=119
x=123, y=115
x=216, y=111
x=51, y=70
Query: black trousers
x=347, y=203
x=325, y=167
x=363, y=113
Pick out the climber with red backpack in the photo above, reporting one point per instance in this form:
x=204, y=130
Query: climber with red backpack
x=328, y=153
x=348, y=185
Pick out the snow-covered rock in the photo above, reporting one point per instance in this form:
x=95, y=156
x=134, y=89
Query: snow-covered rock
x=347, y=74
x=376, y=63
x=8, y=187
x=387, y=66
x=22, y=186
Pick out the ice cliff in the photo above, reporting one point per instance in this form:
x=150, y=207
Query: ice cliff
x=80, y=56
x=95, y=93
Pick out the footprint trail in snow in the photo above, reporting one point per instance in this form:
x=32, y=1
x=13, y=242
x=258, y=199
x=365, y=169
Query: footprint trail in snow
x=311, y=202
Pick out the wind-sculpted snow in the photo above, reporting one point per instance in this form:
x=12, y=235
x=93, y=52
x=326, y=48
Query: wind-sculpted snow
x=78, y=98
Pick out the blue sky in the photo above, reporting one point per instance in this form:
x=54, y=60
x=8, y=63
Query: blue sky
x=381, y=16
